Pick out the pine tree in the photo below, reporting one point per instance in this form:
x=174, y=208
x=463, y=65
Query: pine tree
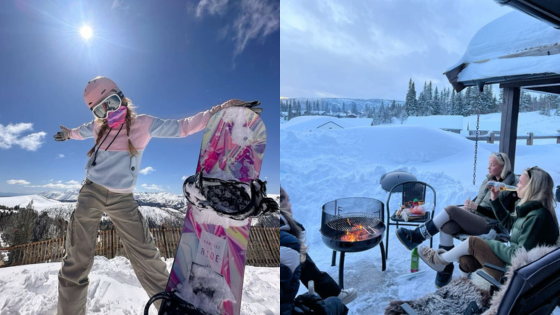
x=524, y=102
x=436, y=104
x=290, y=114
x=501, y=100
x=410, y=100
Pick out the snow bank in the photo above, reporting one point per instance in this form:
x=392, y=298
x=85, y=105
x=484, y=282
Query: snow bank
x=114, y=289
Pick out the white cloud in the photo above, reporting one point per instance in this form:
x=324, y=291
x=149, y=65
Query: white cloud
x=17, y=182
x=213, y=7
x=71, y=184
x=60, y=156
x=184, y=177
x=12, y=135
x=255, y=21
x=147, y=170
x=152, y=187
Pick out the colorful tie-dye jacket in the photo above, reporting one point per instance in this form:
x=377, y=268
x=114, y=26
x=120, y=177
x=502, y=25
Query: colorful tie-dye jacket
x=115, y=169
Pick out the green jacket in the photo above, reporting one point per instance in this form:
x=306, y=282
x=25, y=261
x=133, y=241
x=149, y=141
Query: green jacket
x=530, y=225
x=483, y=198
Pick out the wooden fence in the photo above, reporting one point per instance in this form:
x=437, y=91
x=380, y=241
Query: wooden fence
x=530, y=137
x=263, y=249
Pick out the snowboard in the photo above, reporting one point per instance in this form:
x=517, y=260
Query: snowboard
x=210, y=262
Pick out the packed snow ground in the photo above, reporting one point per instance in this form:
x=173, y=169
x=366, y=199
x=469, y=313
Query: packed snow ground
x=318, y=166
x=114, y=289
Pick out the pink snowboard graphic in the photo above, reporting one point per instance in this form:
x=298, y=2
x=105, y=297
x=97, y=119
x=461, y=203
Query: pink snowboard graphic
x=210, y=262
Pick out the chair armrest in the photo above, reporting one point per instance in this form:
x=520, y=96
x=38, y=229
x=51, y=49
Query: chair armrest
x=408, y=309
x=489, y=278
x=500, y=269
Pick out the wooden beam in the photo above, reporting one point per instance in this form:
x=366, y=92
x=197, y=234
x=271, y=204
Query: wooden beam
x=510, y=117
x=549, y=80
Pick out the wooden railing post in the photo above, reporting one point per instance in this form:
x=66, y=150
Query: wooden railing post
x=113, y=239
x=492, y=137
x=166, y=255
x=530, y=140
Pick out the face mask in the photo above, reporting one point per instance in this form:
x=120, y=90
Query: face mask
x=116, y=119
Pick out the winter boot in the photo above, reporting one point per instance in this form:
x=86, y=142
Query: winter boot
x=444, y=277
x=412, y=238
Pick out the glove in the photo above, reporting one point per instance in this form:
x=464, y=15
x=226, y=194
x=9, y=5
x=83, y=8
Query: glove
x=62, y=135
x=234, y=102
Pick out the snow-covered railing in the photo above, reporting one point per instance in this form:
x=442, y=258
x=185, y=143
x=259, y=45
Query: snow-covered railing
x=263, y=249
x=530, y=137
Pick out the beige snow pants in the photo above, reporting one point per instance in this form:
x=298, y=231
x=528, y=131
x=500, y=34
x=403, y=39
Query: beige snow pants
x=81, y=236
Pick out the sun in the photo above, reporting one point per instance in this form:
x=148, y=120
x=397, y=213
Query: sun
x=86, y=32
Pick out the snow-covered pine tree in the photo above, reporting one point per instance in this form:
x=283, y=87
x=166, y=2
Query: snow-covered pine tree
x=290, y=114
x=525, y=102
x=410, y=100
x=436, y=104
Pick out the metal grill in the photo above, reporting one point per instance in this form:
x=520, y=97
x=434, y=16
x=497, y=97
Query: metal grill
x=352, y=222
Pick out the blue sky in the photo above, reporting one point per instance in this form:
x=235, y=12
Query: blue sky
x=370, y=49
x=173, y=59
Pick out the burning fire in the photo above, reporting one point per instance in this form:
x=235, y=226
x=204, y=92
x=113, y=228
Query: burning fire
x=359, y=233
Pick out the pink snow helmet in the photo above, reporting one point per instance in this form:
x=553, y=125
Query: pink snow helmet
x=98, y=89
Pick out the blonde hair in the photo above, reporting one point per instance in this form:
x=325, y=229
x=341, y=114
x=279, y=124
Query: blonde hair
x=503, y=160
x=540, y=188
x=130, y=115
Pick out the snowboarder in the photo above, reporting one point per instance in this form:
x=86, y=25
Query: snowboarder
x=121, y=137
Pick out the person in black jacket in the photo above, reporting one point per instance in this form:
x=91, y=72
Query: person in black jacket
x=292, y=252
x=325, y=285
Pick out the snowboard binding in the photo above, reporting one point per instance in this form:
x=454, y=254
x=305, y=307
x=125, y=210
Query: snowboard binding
x=230, y=198
x=172, y=304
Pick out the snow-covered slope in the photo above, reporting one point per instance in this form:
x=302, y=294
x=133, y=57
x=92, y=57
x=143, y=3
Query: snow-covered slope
x=39, y=202
x=114, y=289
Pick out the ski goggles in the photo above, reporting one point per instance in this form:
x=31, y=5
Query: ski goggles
x=109, y=104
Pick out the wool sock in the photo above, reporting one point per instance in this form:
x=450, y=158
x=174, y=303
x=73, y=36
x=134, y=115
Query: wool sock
x=440, y=219
x=445, y=239
x=458, y=251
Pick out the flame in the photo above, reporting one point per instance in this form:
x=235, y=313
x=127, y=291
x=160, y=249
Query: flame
x=348, y=220
x=359, y=234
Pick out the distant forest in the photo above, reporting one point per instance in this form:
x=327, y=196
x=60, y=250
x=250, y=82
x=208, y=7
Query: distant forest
x=429, y=102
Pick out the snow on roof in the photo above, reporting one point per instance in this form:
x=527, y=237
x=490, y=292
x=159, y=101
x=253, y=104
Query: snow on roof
x=307, y=123
x=441, y=121
x=514, y=44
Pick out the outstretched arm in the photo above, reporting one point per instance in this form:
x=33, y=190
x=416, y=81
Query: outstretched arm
x=171, y=128
x=83, y=132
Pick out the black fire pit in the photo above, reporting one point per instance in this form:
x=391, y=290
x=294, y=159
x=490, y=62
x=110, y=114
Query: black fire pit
x=352, y=225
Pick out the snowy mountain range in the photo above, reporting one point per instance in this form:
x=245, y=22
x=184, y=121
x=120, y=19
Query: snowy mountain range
x=152, y=199
x=159, y=207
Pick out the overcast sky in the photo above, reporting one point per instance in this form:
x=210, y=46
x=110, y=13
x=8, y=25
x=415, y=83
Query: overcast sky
x=370, y=49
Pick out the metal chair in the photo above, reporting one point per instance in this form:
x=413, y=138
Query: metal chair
x=409, y=191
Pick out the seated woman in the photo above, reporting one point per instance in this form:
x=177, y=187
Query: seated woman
x=533, y=223
x=325, y=286
x=291, y=255
x=478, y=218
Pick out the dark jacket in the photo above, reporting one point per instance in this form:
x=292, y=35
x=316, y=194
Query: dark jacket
x=530, y=225
x=290, y=270
x=483, y=198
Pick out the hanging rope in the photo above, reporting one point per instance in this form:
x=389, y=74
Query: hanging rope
x=477, y=107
